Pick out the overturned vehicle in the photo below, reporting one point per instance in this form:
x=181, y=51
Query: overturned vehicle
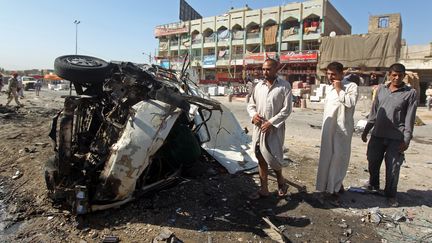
x=132, y=128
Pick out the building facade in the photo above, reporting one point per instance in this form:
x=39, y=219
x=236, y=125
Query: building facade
x=418, y=58
x=223, y=48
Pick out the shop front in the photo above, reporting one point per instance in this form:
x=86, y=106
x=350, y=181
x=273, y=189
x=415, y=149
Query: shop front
x=299, y=66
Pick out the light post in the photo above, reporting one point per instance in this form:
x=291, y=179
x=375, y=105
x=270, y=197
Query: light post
x=149, y=56
x=76, y=22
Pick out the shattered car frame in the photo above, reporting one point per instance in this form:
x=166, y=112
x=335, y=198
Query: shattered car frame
x=132, y=128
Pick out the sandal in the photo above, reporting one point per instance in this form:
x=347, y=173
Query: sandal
x=257, y=195
x=283, y=189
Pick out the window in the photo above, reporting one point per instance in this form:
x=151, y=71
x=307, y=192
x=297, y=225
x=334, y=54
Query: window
x=383, y=22
x=311, y=45
x=293, y=46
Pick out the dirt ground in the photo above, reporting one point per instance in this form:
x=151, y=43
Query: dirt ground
x=212, y=209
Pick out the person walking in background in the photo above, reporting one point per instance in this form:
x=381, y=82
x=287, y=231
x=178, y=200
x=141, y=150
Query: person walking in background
x=429, y=97
x=373, y=79
x=252, y=80
x=392, y=118
x=20, y=88
x=13, y=90
x=336, y=133
x=1, y=82
x=269, y=107
x=38, y=86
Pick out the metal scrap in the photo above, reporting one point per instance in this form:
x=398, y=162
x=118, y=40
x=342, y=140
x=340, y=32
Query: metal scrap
x=282, y=232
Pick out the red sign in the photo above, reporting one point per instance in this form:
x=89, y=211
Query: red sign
x=170, y=30
x=306, y=56
x=208, y=81
x=260, y=57
x=235, y=80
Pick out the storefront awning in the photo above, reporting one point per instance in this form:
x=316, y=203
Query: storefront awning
x=51, y=77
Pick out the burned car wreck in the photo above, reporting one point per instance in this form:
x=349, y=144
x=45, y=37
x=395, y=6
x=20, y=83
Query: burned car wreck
x=132, y=128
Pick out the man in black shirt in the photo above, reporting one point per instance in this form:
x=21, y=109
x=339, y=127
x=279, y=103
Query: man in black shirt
x=392, y=116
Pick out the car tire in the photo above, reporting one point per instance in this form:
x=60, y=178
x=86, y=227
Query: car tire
x=84, y=70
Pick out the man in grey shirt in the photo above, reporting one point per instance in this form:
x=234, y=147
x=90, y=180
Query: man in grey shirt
x=392, y=118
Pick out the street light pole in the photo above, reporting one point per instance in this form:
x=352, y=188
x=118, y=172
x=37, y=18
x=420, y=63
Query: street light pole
x=149, y=56
x=76, y=22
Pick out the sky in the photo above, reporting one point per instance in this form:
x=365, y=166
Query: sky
x=35, y=32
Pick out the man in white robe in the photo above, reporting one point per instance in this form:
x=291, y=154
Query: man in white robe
x=337, y=130
x=269, y=107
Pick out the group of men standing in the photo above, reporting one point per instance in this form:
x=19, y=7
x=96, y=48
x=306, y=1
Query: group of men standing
x=392, y=118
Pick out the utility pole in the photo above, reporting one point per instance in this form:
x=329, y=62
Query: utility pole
x=76, y=22
x=149, y=56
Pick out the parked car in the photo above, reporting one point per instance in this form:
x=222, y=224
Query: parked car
x=28, y=82
x=59, y=85
x=133, y=128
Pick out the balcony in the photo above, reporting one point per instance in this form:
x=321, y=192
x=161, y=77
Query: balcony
x=238, y=35
x=237, y=56
x=174, y=43
x=196, y=58
x=225, y=57
x=223, y=42
x=196, y=41
x=311, y=29
x=209, y=39
x=290, y=34
x=252, y=35
x=163, y=46
x=253, y=38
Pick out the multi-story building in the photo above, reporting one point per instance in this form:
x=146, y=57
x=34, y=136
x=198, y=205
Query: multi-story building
x=222, y=48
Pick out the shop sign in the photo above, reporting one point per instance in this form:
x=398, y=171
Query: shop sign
x=299, y=56
x=171, y=29
x=237, y=62
x=252, y=58
x=256, y=58
x=165, y=64
x=209, y=61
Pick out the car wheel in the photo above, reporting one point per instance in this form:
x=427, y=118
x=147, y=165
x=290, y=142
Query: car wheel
x=84, y=70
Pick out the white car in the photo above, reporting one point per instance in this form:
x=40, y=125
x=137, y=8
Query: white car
x=134, y=128
x=28, y=82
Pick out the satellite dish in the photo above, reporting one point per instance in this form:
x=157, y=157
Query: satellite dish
x=332, y=34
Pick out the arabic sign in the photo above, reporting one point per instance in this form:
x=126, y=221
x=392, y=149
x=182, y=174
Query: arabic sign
x=171, y=29
x=209, y=61
x=165, y=64
x=237, y=62
x=298, y=56
x=254, y=58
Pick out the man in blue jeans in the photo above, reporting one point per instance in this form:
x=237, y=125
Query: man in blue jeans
x=392, y=118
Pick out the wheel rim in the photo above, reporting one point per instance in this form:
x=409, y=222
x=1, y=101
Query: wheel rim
x=83, y=62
